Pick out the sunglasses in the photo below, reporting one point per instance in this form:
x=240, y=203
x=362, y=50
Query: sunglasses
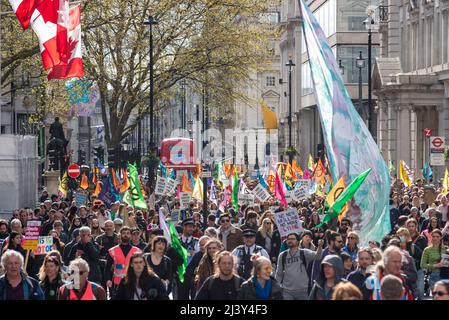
x=225, y=220
x=267, y=222
x=351, y=237
x=439, y=293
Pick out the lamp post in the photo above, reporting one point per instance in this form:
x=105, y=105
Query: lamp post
x=183, y=105
x=290, y=65
x=369, y=24
x=360, y=63
x=151, y=22
x=341, y=67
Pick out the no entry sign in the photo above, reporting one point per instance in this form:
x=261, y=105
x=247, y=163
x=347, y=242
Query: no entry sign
x=428, y=132
x=73, y=171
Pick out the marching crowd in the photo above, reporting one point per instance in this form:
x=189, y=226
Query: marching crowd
x=118, y=252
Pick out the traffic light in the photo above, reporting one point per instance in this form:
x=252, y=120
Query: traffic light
x=111, y=158
x=99, y=153
x=81, y=157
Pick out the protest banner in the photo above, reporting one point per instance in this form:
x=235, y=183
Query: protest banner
x=261, y=193
x=288, y=221
x=175, y=216
x=246, y=199
x=301, y=192
x=170, y=186
x=32, y=235
x=289, y=197
x=184, y=199
x=45, y=245
x=160, y=186
x=80, y=199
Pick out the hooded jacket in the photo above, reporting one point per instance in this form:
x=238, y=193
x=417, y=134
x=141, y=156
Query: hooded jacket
x=318, y=291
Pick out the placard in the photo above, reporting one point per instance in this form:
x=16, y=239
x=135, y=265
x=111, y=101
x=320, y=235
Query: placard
x=301, y=192
x=184, y=199
x=246, y=199
x=288, y=222
x=261, y=193
x=170, y=186
x=80, y=199
x=175, y=216
x=160, y=186
x=31, y=239
x=289, y=196
x=45, y=245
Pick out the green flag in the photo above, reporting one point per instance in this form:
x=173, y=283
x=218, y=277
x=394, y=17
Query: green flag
x=176, y=244
x=133, y=196
x=344, y=197
x=235, y=191
x=391, y=167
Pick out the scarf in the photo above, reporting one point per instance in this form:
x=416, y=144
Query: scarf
x=262, y=293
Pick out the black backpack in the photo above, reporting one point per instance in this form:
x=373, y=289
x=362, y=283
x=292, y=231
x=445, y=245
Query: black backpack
x=302, y=256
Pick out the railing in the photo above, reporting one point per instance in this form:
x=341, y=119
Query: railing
x=383, y=13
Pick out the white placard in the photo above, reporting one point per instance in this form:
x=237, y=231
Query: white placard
x=288, y=221
x=160, y=186
x=170, y=186
x=289, y=196
x=261, y=193
x=247, y=199
x=184, y=199
x=302, y=191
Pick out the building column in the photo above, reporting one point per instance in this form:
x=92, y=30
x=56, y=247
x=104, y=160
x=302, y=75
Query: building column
x=391, y=132
x=382, y=127
x=403, y=150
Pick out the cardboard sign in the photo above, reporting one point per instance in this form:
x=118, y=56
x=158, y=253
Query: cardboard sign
x=289, y=196
x=302, y=191
x=175, y=216
x=80, y=199
x=170, y=186
x=184, y=199
x=32, y=235
x=288, y=221
x=261, y=193
x=45, y=245
x=160, y=186
x=246, y=199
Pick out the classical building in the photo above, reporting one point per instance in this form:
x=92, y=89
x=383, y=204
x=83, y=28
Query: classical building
x=342, y=22
x=411, y=80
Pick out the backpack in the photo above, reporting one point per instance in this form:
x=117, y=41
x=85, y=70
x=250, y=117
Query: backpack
x=303, y=261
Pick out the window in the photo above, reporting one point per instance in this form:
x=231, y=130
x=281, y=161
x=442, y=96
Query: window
x=348, y=56
x=271, y=81
x=306, y=80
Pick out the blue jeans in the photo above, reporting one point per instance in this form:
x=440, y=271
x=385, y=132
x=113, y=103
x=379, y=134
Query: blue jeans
x=420, y=284
x=433, y=278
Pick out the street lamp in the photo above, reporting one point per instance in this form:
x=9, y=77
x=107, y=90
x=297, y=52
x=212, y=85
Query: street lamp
x=290, y=65
x=151, y=22
x=369, y=24
x=360, y=63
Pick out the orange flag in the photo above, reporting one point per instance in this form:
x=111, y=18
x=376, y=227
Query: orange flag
x=125, y=185
x=320, y=172
x=94, y=176
x=97, y=188
x=84, y=184
x=185, y=185
x=227, y=169
x=297, y=168
x=115, y=181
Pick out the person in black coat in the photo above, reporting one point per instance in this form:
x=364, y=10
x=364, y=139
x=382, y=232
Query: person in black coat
x=261, y=286
x=89, y=250
x=140, y=283
x=269, y=238
x=68, y=246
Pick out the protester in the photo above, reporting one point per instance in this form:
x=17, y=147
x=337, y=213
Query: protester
x=80, y=288
x=75, y=239
x=306, y=240
x=261, y=285
x=348, y=265
x=391, y=288
x=206, y=265
x=346, y=291
x=15, y=284
x=140, y=282
x=351, y=245
x=225, y=283
x=159, y=262
x=50, y=277
x=441, y=290
x=230, y=236
x=268, y=239
x=432, y=257
x=334, y=247
x=365, y=260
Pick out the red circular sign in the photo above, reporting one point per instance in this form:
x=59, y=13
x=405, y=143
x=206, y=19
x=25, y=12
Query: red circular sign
x=428, y=132
x=73, y=171
x=437, y=142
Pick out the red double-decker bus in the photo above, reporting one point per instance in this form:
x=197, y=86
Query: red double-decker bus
x=179, y=154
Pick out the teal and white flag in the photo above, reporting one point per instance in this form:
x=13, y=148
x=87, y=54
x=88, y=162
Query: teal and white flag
x=350, y=147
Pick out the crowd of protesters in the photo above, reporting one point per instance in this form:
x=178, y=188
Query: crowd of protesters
x=118, y=252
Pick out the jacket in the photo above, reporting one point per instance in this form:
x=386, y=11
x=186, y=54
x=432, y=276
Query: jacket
x=121, y=262
x=31, y=288
x=91, y=253
x=248, y=291
x=274, y=246
x=153, y=289
x=234, y=238
x=318, y=290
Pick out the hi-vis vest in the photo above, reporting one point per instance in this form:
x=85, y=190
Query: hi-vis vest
x=121, y=262
x=88, y=294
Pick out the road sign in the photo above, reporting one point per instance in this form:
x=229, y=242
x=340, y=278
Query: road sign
x=428, y=132
x=73, y=171
x=437, y=146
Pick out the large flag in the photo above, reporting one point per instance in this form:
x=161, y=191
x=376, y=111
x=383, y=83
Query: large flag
x=176, y=244
x=344, y=197
x=125, y=184
x=198, y=189
x=63, y=186
x=185, y=185
x=280, y=191
x=24, y=9
x=133, y=196
x=445, y=181
x=334, y=193
x=319, y=172
x=427, y=172
x=235, y=191
x=97, y=188
x=349, y=144
x=262, y=181
x=269, y=116
x=74, y=67
x=163, y=169
x=403, y=175
x=297, y=168
x=115, y=181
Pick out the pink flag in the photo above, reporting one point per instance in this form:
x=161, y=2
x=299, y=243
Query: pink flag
x=225, y=201
x=74, y=66
x=279, y=191
x=306, y=174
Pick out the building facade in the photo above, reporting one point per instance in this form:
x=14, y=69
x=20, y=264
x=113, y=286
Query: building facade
x=411, y=80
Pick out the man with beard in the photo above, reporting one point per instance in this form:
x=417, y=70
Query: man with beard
x=118, y=259
x=365, y=259
x=106, y=241
x=335, y=246
x=292, y=271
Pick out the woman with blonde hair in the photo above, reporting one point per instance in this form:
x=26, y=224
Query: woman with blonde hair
x=206, y=265
x=268, y=239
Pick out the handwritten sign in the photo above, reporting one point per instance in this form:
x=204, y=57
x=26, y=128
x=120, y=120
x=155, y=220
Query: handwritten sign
x=246, y=199
x=80, y=199
x=184, y=199
x=160, y=186
x=301, y=192
x=32, y=235
x=170, y=185
x=175, y=216
x=261, y=193
x=288, y=222
x=45, y=245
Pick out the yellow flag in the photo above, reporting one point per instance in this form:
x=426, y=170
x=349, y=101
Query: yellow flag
x=403, y=174
x=446, y=181
x=333, y=195
x=198, y=189
x=63, y=185
x=269, y=116
x=310, y=164
x=297, y=168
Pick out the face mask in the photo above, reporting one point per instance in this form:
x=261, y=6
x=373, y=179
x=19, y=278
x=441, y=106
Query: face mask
x=402, y=239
